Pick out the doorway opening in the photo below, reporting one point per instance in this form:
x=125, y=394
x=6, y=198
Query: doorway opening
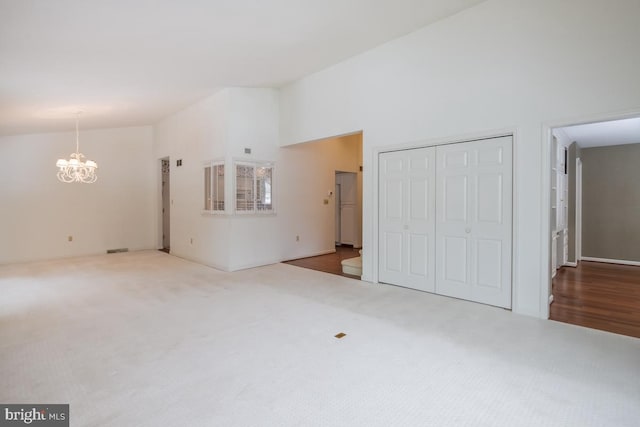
x=595, y=235
x=165, y=213
x=328, y=225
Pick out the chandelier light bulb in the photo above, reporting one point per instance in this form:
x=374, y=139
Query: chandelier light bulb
x=77, y=169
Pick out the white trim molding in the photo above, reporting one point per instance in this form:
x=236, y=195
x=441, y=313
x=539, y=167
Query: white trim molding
x=547, y=129
x=610, y=261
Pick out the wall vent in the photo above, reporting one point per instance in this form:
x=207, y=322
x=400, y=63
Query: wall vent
x=115, y=251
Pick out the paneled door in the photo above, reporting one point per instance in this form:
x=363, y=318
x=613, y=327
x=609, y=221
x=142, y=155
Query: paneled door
x=407, y=218
x=473, y=221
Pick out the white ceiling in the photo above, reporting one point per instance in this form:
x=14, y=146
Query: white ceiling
x=133, y=62
x=616, y=132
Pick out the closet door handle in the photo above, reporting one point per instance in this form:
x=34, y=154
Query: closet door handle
x=467, y=230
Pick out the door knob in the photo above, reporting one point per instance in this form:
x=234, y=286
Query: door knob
x=467, y=230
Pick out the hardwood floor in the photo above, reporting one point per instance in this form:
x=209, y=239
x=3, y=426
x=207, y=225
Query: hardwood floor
x=329, y=263
x=600, y=296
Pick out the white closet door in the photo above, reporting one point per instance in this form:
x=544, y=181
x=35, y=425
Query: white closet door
x=473, y=225
x=407, y=218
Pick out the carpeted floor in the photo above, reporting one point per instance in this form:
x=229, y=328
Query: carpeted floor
x=148, y=339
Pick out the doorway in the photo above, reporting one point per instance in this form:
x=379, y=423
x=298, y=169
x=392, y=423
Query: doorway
x=595, y=285
x=165, y=214
x=328, y=225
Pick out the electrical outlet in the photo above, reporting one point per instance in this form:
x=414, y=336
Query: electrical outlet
x=297, y=238
x=70, y=239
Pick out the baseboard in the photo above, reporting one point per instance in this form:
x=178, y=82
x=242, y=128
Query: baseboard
x=550, y=299
x=571, y=264
x=201, y=262
x=252, y=265
x=611, y=261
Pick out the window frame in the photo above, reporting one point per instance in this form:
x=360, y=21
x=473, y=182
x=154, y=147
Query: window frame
x=213, y=164
x=254, y=187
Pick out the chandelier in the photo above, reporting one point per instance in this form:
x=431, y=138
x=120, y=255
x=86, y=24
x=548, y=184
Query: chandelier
x=77, y=169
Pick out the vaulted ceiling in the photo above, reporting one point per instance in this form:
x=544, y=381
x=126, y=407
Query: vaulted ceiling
x=133, y=62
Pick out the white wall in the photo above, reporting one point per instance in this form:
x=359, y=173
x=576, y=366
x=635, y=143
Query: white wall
x=222, y=126
x=38, y=213
x=253, y=123
x=502, y=65
x=305, y=173
x=194, y=135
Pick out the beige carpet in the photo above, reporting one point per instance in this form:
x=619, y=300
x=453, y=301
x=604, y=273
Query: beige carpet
x=147, y=339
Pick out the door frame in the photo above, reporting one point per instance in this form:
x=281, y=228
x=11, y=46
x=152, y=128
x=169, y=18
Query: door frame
x=545, y=203
x=337, y=229
x=578, y=210
x=159, y=214
x=375, y=245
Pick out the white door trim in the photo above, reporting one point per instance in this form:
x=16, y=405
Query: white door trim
x=159, y=213
x=578, y=225
x=545, y=193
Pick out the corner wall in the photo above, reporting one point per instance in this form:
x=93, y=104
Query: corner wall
x=221, y=127
x=194, y=135
x=38, y=213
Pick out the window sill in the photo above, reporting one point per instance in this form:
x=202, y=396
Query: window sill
x=213, y=213
x=253, y=214
x=238, y=214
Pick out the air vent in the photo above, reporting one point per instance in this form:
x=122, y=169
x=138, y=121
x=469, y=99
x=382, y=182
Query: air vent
x=115, y=251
